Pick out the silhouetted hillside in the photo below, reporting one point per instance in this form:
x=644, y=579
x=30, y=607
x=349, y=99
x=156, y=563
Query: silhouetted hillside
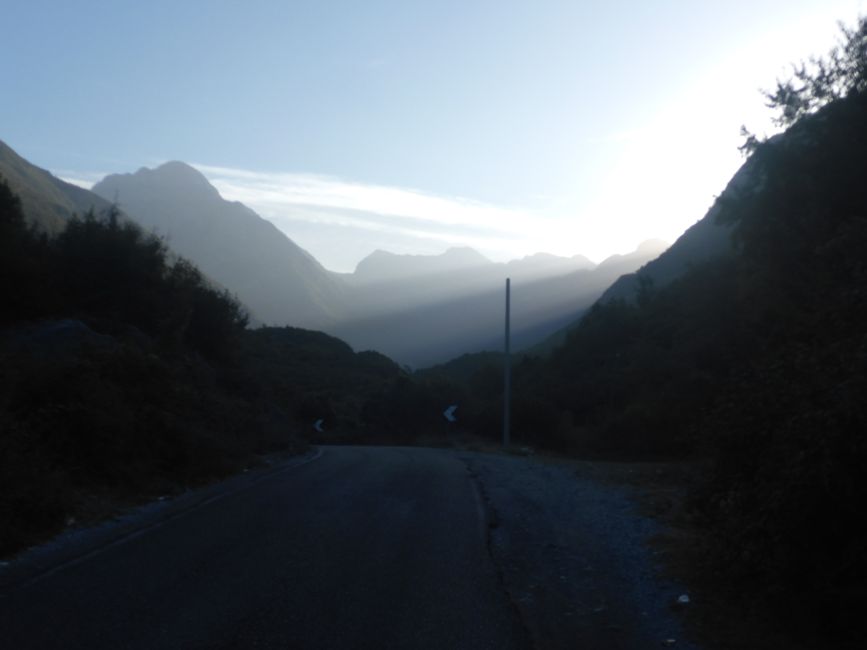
x=703, y=242
x=313, y=376
x=117, y=373
x=47, y=201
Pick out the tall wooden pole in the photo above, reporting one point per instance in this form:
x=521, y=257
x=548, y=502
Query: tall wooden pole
x=507, y=372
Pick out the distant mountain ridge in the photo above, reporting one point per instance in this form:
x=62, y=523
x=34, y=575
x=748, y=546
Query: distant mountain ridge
x=426, y=319
x=382, y=265
x=386, y=266
x=545, y=263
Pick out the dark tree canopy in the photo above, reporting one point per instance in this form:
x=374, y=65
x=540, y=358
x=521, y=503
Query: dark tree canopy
x=821, y=80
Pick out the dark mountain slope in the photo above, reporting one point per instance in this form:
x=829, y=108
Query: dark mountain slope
x=47, y=201
x=279, y=281
x=704, y=241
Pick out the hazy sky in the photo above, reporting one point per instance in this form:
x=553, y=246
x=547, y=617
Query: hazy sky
x=512, y=126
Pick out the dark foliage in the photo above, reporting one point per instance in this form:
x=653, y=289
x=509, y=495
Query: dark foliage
x=22, y=253
x=408, y=409
x=788, y=428
x=119, y=373
x=757, y=362
x=111, y=270
x=823, y=80
x=312, y=376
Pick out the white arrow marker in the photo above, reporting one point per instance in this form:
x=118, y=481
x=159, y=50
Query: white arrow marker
x=449, y=413
x=318, y=425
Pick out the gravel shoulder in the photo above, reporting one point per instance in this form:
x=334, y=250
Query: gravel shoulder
x=573, y=545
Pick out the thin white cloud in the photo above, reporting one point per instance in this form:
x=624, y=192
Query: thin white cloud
x=367, y=222
x=276, y=192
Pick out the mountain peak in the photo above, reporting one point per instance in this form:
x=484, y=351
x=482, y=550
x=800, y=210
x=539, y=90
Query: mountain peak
x=179, y=169
x=173, y=178
x=179, y=175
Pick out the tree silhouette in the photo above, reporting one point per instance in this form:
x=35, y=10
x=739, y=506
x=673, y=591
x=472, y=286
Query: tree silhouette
x=822, y=80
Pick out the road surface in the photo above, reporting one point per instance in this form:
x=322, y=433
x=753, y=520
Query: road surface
x=354, y=547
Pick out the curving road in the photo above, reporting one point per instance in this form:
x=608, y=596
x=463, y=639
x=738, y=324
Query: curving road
x=352, y=547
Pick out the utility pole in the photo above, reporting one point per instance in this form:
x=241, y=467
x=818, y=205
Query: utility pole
x=507, y=372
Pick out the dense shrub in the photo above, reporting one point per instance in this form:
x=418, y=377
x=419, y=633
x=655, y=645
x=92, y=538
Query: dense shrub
x=118, y=372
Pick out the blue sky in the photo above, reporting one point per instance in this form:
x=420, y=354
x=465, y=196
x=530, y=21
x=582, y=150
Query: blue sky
x=573, y=127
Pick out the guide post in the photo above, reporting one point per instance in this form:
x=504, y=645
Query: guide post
x=507, y=372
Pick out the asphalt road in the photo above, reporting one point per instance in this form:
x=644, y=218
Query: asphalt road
x=352, y=548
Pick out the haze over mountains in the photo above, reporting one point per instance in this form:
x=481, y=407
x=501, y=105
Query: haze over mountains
x=432, y=317
x=417, y=309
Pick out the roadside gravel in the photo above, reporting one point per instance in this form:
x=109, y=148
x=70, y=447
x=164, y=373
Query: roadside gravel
x=574, y=557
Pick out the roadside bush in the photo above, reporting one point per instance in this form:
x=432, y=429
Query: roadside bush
x=118, y=372
x=34, y=499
